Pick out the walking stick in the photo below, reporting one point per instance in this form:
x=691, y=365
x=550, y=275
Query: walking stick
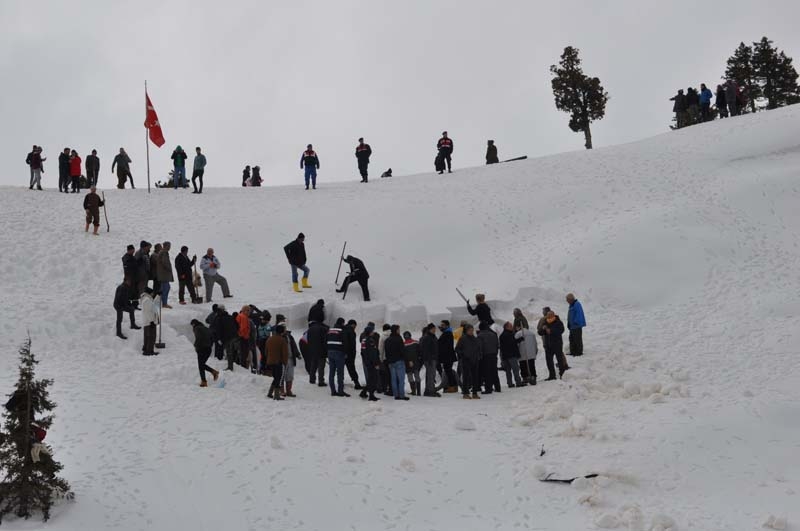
x=462, y=296
x=159, y=344
x=108, y=227
x=340, y=263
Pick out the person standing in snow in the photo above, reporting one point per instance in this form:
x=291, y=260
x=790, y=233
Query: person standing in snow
x=520, y=321
x=447, y=357
x=202, y=346
x=349, y=338
x=243, y=330
x=370, y=358
x=277, y=358
x=468, y=350
x=91, y=205
x=142, y=258
x=92, y=168
x=256, y=180
x=705, y=102
x=245, y=175
x=316, y=314
x=183, y=267
x=721, y=103
x=150, y=319
x=63, y=171
x=528, y=349
x=164, y=274
x=553, y=329
x=28, y=162
x=363, y=153
x=210, y=266
x=336, y=358
x=412, y=357
x=445, y=148
x=384, y=374
x=482, y=310
x=294, y=355
x=317, y=352
x=490, y=346
x=179, y=164
x=429, y=350
x=491, y=153
x=310, y=161
x=358, y=273
x=575, y=323
x=122, y=162
x=129, y=264
x=732, y=97
x=122, y=303
x=263, y=332
x=198, y=169
x=36, y=162
x=75, y=171
x=509, y=353
x=296, y=255
x=395, y=357
x=679, y=108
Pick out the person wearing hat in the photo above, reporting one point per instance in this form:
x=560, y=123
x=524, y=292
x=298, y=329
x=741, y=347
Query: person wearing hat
x=490, y=345
x=445, y=147
x=91, y=205
x=149, y=320
x=296, y=255
x=363, y=153
x=92, y=168
x=491, y=153
x=179, y=163
x=358, y=273
x=371, y=361
x=198, y=169
x=310, y=161
x=349, y=336
x=202, y=346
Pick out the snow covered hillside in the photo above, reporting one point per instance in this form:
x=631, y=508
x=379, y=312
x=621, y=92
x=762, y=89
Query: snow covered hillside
x=683, y=249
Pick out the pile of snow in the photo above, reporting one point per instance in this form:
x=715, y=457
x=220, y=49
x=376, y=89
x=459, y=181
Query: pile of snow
x=682, y=248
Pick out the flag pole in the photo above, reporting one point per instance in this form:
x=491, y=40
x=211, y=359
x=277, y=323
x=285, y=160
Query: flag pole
x=146, y=142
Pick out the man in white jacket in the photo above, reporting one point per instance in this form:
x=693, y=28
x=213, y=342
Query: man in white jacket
x=150, y=316
x=528, y=349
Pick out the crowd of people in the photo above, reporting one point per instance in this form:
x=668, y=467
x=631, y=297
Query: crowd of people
x=695, y=106
x=71, y=174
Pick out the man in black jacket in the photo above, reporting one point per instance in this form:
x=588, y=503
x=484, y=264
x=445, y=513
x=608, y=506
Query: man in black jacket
x=63, y=171
x=482, y=310
x=317, y=352
x=92, y=168
x=358, y=273
x=122, y=303
x=227, y=330
x=349, y=339
x=202, y=346
x=490, y=345
x=296, y=254
x=491, y=153
x=429, y=348
x=363, y=153
x=447, y=357
x=316, y=314
x=183, y=266
x=445, y=147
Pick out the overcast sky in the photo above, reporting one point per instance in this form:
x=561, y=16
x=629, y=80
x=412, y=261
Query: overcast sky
x=253, y=82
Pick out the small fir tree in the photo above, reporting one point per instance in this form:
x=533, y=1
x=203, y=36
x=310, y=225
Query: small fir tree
x=740, y=69
x=28, y=485
x=581, y=96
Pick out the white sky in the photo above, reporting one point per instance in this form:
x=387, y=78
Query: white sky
x=253, y=82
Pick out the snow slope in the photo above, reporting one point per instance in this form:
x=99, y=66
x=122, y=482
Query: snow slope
x=683, y=249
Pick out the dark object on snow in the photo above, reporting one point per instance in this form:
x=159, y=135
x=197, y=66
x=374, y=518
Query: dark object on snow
x=491, y=153
x=523, y=157
x=550, y=479
x=387, y=173
x=541, y=454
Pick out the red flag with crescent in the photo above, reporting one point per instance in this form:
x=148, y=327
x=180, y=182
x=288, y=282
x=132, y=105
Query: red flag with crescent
x=152, y=124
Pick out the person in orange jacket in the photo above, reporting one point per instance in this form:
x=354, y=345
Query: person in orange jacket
x=243, y=322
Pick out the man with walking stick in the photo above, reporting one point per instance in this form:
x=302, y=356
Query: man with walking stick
x=358, y=273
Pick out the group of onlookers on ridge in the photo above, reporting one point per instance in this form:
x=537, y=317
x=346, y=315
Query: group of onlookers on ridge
x=696, y=106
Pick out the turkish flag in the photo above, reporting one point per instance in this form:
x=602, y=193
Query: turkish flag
x=152, y=124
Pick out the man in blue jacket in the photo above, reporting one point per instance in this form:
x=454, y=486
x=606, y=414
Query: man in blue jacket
x=705, y=102
x=575, y=323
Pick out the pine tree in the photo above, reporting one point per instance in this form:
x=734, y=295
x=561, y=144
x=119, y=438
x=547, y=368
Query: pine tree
x=775, y=74
x=578, y=94
x=28, y=485
x=740, y=70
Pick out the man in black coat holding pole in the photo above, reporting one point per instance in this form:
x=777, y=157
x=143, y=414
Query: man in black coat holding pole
x=358, y=273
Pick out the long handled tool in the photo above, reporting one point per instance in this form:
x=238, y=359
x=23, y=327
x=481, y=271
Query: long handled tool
x=108, y=227
x=462, y=296
x=340, y=263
